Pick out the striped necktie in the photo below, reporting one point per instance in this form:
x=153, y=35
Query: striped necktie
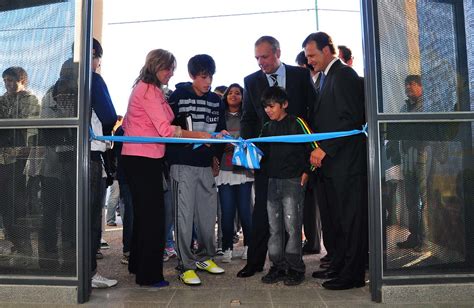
x=274, y=79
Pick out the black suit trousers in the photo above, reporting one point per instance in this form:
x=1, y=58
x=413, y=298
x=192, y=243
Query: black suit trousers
x=260, y=233
x=324, y=211
x=311, y=218
x=347, y=197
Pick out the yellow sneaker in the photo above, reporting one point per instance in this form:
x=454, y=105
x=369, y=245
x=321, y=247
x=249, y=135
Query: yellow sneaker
x=210, y=266
x=189, y=277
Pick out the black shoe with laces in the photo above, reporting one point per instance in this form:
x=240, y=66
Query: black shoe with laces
x=274, y=275
x=294, y=278
x=409, y=243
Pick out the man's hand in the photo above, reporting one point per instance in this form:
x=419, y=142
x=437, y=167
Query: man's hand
x=304, y=179
x=316, y=158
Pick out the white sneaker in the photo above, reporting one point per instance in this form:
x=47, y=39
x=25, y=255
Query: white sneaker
x=244, y=254
x=227, y=256
x=104, y=244
x=99, y=282
x=166, y=258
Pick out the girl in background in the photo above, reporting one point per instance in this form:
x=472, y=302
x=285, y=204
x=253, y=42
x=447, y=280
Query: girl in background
x=234, y=183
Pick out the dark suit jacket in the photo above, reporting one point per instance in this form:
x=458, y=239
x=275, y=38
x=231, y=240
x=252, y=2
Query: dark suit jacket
x=340, y=107
x=300, y=91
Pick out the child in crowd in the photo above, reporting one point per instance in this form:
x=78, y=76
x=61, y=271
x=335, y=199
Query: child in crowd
x=234, y=183
x=287, y=167
x=192, y=181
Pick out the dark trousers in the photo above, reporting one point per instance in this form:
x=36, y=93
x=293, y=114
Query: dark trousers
x=234, y=197
x=12, y=205
x=348, y=212
x=169, y=215
x=311, y=217
x=257, y=252
x=97, y=199
x=59, y=201
x=416, y=199
x=144, y=176
x=324, y=211
x=7, y=204
x=127, y=218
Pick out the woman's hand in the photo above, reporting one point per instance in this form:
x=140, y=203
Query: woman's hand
x=204, y=135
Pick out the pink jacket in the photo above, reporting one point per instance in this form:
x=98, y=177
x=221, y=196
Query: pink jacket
x=148, y=114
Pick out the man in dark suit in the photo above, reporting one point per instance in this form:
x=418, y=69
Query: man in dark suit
x=311, y=216
x=341, y=162
x=301, y=93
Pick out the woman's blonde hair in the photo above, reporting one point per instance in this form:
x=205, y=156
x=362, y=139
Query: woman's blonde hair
x=156, y=60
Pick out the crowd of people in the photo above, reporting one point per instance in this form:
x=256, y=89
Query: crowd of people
x=316, y=185
x=171, y=195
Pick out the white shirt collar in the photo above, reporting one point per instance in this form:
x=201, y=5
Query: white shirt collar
x=315, y=77
x=326, y=71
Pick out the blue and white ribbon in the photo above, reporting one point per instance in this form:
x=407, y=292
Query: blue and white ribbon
x=246, y=154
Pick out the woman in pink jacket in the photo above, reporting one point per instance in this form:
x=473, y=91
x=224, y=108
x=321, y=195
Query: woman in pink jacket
x=149, y=114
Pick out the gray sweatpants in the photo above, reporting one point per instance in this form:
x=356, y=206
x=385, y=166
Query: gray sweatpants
x=195, y=202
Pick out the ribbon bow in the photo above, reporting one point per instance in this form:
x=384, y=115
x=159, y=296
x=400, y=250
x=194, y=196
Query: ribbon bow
x=246, y=154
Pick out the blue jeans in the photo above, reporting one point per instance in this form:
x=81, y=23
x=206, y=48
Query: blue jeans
x=127, y=215
x=169, y=225
x=285, y=214
x=112, y=201
x=234, y=197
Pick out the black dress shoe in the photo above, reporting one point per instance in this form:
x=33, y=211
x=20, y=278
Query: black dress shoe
x=248, y=271
x=342, y=284
x=325, y=259
x=325, y=274
x=407, y=244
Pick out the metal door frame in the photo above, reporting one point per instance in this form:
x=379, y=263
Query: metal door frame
x=373, y=96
